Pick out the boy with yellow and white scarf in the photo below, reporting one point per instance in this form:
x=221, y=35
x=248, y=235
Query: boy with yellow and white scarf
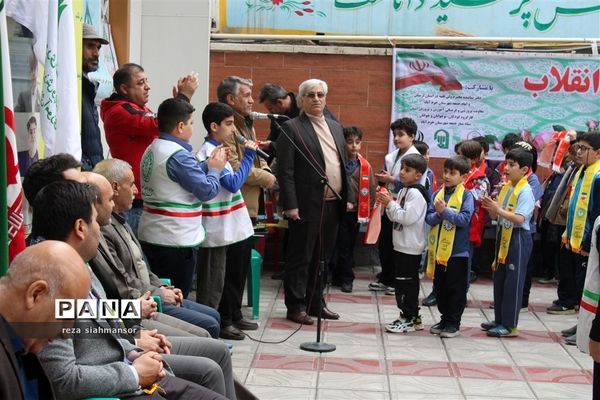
x=584, y=208
x=449, y=215
x=513, y=210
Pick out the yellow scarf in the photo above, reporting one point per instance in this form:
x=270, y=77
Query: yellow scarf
x=581, y=205
x=440, y=243
x=507, y=226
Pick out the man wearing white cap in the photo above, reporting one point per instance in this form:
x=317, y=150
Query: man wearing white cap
x=91, y=143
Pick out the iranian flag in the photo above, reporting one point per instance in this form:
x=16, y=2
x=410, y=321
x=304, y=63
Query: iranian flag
x=10, y=180
x=417, y=68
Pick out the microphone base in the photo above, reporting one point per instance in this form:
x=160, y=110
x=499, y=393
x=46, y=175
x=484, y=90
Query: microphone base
x=318, y=347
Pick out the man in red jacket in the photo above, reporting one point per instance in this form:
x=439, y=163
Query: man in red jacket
x=130, y=126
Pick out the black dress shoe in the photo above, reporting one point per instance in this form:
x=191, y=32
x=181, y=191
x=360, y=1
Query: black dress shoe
x=230, y=332
x=300, y=317
x=245, y=325
x=347, y=287
x=326, y=313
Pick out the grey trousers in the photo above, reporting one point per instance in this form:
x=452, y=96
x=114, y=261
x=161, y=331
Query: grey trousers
x=210, y=278
x=204, y=361
x=171, y=326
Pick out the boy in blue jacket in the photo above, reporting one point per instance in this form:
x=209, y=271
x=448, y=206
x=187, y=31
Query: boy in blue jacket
x=449, y=215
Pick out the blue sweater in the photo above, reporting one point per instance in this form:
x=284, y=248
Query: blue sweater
x=462, y=220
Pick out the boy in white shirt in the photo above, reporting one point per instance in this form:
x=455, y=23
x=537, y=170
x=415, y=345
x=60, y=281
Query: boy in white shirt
x=407, y=215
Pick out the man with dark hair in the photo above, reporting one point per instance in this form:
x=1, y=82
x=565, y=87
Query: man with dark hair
x=174, y=185
x=54, y=168
x=63, y=206
x=36, y=278
x=130, y=126
x=91, y=143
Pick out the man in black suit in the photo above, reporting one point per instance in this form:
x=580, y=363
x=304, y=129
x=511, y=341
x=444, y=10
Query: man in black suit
x=313, y=210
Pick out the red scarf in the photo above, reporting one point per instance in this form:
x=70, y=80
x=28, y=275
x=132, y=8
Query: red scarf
x=474, y=174
x=364, y=190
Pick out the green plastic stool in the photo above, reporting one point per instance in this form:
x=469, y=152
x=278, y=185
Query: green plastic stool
x=253, y=287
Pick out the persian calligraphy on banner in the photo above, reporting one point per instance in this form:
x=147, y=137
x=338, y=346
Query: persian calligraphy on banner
x=503, y=18
x=460, y=95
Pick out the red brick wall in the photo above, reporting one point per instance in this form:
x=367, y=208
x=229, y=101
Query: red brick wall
x=360, y=88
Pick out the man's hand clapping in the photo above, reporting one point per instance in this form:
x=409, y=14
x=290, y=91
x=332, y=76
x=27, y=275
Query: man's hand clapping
x=187, y=85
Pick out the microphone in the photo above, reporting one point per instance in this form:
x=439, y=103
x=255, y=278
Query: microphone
x=242, y=140
x=256, y=115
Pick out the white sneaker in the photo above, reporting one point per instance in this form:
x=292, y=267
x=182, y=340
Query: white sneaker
x=399, y=326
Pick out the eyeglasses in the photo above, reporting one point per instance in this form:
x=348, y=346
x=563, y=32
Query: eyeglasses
x=313, y=95
x=583, y=148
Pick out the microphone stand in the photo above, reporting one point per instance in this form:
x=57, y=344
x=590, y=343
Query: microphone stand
x=317, y=346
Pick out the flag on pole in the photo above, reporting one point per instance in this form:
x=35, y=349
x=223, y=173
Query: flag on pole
x=52, y=25
x=417, y=68
x=12, y=219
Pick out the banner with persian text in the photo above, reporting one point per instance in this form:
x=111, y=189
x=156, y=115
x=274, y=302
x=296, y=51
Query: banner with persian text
x=489, y=18
x=461, y=95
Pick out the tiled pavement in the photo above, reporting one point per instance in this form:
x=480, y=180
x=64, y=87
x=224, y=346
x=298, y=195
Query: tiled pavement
x=372, y=364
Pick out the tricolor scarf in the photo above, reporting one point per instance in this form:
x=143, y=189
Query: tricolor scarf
x=576, y=228
x=441, y=241
x=364, y=190
x=510, y=206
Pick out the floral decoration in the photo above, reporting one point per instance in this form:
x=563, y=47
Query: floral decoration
x=298, y=7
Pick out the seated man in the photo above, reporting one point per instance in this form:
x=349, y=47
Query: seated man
x=64, y=211
x=63, y=166
x=36, y=277
x=127, y=252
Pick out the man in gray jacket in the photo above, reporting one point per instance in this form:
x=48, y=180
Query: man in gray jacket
x=89, y=365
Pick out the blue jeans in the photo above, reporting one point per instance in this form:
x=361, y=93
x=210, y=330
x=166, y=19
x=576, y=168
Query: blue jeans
x=197, y=314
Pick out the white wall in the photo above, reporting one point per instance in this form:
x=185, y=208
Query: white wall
x=170, y=39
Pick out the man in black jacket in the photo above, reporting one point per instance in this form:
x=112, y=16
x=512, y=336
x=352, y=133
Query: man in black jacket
x=314, y=210
x=91, y=143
